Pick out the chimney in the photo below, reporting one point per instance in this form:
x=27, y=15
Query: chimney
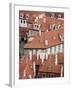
x=47, y=30
x=24, y=73
x=61, y=71
x=42, y=56
x=34, y=68
x=30, y=55
x=56, y=59
x=39, y=32
x=61, y=37
x=46, y=42
x=44, y=20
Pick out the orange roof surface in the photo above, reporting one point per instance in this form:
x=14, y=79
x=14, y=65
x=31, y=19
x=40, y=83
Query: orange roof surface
x=50, y=68
x=39, y=41
x=54, y=21
x=61, y=58
x=47, y=66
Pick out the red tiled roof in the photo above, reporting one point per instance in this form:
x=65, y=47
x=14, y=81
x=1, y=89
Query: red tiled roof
x=25, y=64
x=39, y=41
x=47, y=66
x=50, y=68
x=54, y=21
x=61, y=58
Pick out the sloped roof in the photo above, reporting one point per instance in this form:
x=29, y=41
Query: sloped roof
x=49, y=65
x=61, y=58
x=39, y=41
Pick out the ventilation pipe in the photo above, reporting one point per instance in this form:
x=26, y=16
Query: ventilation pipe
x=46, y=42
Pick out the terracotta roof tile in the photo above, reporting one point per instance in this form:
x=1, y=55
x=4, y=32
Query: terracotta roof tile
x=61, y=58
x=49, y=36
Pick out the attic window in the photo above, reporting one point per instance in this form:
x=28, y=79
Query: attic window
x=37, y=26
x=21, y=15
x=21, y=21
x=24, y=21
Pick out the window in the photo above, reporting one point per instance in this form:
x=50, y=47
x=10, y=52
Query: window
x=52, y=75
x=22, y=39
x=37, y=26
x=24, y=21
x=21, y=21
x=44, y=75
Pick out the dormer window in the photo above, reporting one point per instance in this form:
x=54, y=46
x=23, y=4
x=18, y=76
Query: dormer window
x=36, y=26
x=21, y=15
x=24, y=21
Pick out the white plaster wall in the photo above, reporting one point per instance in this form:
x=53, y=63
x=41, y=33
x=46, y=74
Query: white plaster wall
x=22, y=24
